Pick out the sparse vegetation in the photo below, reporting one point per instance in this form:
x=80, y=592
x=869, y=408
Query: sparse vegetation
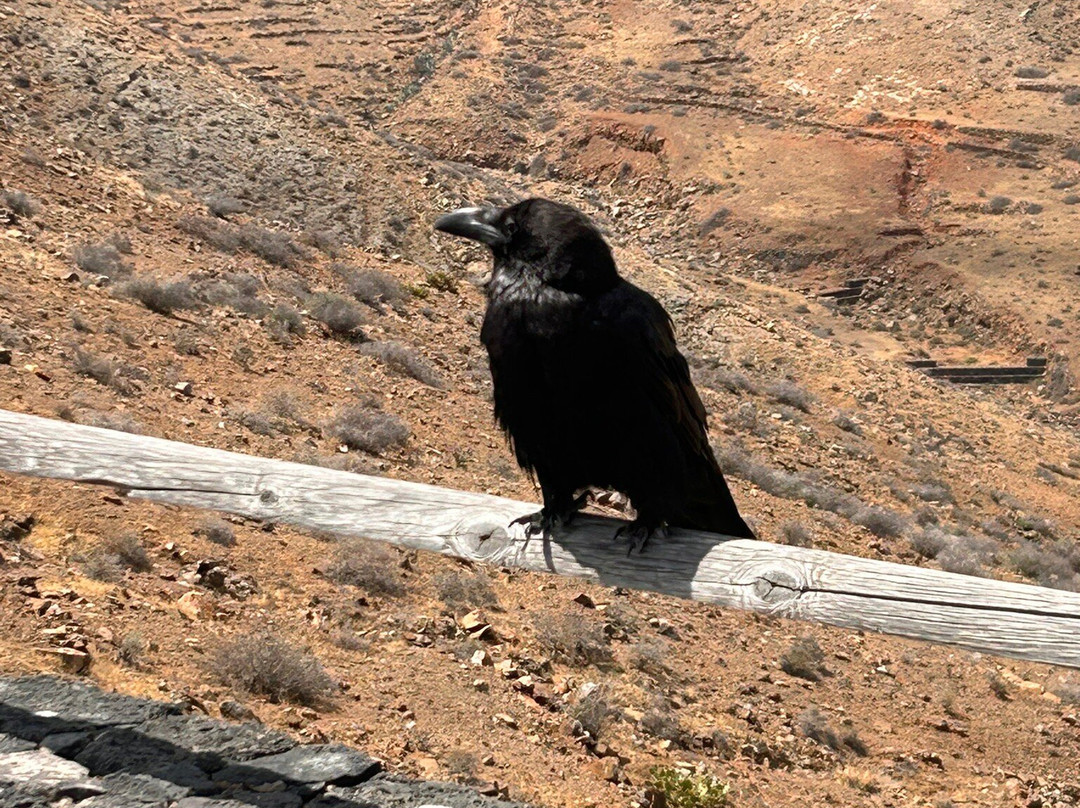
x=216, y=530
x=375, y=288
x=131, y=649
x=1031, y=72
x=337, y=312
x=463, y=591
x=267, y=665
x=573, y=639
x=367, y=428
x=796, y=534
x=20, y=203
x=273, y=246
x=403, y=360
x=102, y=259
x=650, y=657
x=804, y=659
x=102, y=370
x=284, y=322
x=161, y=297
x=787, y=392
x=367, y=565
x=113, y=555
x=670, y=787
x=591, y=711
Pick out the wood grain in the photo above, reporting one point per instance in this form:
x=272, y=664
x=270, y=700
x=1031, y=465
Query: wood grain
x=995, y=617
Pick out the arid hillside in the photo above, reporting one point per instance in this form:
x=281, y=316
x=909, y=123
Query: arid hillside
x=217, y=229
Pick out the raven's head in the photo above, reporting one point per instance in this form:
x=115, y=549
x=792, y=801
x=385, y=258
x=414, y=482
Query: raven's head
x=554, y=243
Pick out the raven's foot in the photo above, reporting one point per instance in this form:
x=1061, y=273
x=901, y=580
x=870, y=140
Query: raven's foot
x=550, y=517
x=639, y=532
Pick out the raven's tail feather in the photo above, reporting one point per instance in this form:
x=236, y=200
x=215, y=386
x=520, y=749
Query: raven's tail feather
x=709, y=506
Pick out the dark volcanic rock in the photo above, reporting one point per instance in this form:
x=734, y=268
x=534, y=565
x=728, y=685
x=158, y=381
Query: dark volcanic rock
x=305, y=764
x=32, y=707
x=395, y=791
x=216, y=743
x=9, y=743
x=125, y=749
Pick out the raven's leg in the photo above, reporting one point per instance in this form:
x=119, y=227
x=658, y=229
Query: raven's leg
x=559, y=509
x=640, y=531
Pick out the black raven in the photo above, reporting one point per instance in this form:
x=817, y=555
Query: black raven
x=589, y=384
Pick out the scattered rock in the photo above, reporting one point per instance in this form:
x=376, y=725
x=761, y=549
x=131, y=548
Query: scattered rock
x=237, y=711
x=584, y=600
x=316, y=763
x=192, y=605
x=505, y=719
x=184, y=388
x=71, y=660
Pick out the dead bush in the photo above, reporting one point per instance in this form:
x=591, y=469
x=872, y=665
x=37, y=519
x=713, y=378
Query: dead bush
x=796, y=534
x=102, y=259
x=787, y=392
x=21, y=203
x=272, y=246
x=804, y=659
x=462, y=764
x=650, y=657
x=284, y=322
x=403, y=360
x=465, y=591
x=574, y=640
x=120, y=421
x=267, y=665
x=815, y=726
x=216, y=530
x=337, y=312
x=1053, y=564
x=224, y=206
x=114, y=554
x=591, y=711
x=375, y=288
x=161, y=297
x=101, y=369
x=131, y=649
x=367, y=428
x=715, y=376
x=367, y=565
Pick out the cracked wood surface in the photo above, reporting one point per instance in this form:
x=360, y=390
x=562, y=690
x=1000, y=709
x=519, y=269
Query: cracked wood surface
x=995, y=617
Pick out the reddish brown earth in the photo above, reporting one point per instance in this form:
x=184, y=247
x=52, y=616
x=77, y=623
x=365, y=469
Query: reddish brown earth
x=742, y=156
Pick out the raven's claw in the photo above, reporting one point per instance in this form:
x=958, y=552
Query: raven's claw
x=639, y=532
x=548, y=518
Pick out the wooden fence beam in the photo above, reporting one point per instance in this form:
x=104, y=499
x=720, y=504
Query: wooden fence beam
x=995, y=617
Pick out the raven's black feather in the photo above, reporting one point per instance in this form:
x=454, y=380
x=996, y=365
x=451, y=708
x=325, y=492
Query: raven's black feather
x=589, y=384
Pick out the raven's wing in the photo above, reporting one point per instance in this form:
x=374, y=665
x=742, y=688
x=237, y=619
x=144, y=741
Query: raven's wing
x=667, y=464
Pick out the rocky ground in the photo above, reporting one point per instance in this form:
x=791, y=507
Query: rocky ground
x=70, y=743
x=217, y=230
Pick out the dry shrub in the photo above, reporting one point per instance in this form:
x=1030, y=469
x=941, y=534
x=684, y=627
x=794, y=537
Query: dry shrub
x=804, y=659
x=464, y=591
x=267, y=665
x=367, y=565
x=102, y=259
x=161, y=297
x=216, y=530
x=574, y=640
x=336, y=312
x=403, y=360
x=367, y=428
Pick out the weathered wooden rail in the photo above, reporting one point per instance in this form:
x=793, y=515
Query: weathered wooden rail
x=995, y=617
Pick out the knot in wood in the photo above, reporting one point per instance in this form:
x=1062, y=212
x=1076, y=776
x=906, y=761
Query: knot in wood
x=268, y=497
x=776, y=586
x=483, y=539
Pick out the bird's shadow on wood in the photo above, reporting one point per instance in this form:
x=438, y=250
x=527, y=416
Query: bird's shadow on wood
x=588, y=548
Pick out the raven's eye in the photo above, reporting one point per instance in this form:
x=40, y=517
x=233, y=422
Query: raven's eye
x=509, y=226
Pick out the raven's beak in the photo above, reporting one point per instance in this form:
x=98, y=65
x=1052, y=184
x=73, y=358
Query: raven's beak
x=477, y=224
